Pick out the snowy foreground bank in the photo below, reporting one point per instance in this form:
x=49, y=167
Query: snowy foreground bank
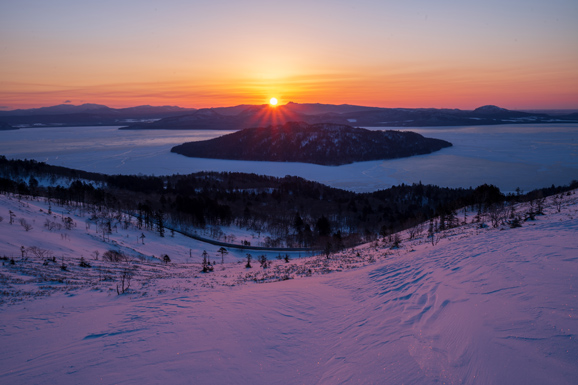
x=482, y=305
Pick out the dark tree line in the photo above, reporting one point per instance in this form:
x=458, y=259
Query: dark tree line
x=294, y=211
x=15, y=169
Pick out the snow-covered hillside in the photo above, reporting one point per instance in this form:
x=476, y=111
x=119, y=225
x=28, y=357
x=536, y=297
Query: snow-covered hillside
x=477, y=305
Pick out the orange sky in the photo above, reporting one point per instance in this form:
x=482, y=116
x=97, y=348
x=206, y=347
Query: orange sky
x=219, y=53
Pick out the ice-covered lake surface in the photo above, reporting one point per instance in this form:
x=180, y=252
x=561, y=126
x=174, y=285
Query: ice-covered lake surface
x=508, y=156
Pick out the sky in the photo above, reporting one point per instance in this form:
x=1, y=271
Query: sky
x=415, y=53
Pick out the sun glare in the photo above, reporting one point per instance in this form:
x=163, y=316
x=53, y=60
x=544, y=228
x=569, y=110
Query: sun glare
x=273, y=101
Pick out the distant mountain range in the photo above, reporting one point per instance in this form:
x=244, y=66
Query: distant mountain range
x=322, y=143
x=87, y=115
x=239, y=117
x=246, y=116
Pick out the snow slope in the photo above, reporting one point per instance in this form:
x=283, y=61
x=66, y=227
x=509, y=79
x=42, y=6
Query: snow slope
x=482, y=306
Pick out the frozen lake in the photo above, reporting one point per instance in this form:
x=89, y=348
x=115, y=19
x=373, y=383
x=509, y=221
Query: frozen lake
x=508, y=156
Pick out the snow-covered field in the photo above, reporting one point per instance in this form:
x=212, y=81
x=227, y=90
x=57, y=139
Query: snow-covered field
x=481, y=306
x=507, y=156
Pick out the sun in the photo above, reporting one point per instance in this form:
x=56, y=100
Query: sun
x=273, y=101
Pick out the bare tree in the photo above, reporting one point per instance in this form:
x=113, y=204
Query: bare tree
x=540, y=206
x=531, y=213
x=51, y=225
x=36, y=251
x=125, y=278
x=557, y=200
x=396, y=241
x=496, y=213
x=512, y=214
x=68, y=223
x=431, y=233
x=415, y=231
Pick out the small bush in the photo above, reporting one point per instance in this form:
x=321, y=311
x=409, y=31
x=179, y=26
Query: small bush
x=263, y=261
x=114, y=256
x=83, y=263
x=514, y=223
x=51, y=225
x=27, y=226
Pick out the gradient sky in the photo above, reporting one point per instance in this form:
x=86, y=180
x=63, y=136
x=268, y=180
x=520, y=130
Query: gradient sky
x=454, y=54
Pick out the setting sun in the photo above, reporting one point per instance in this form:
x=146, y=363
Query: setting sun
x=273, y=101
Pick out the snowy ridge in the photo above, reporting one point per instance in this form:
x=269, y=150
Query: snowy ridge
x=475, y=305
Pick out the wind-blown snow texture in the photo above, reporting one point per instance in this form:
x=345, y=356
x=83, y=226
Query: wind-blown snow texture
x=483, y=306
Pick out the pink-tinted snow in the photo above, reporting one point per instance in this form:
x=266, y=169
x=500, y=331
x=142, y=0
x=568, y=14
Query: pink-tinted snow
x=482, y=306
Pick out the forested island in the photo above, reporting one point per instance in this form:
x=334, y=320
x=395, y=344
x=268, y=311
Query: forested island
x=322, y=143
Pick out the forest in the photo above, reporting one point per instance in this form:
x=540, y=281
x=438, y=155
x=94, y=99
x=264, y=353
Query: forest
x=292, y=211
x=322, y=143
